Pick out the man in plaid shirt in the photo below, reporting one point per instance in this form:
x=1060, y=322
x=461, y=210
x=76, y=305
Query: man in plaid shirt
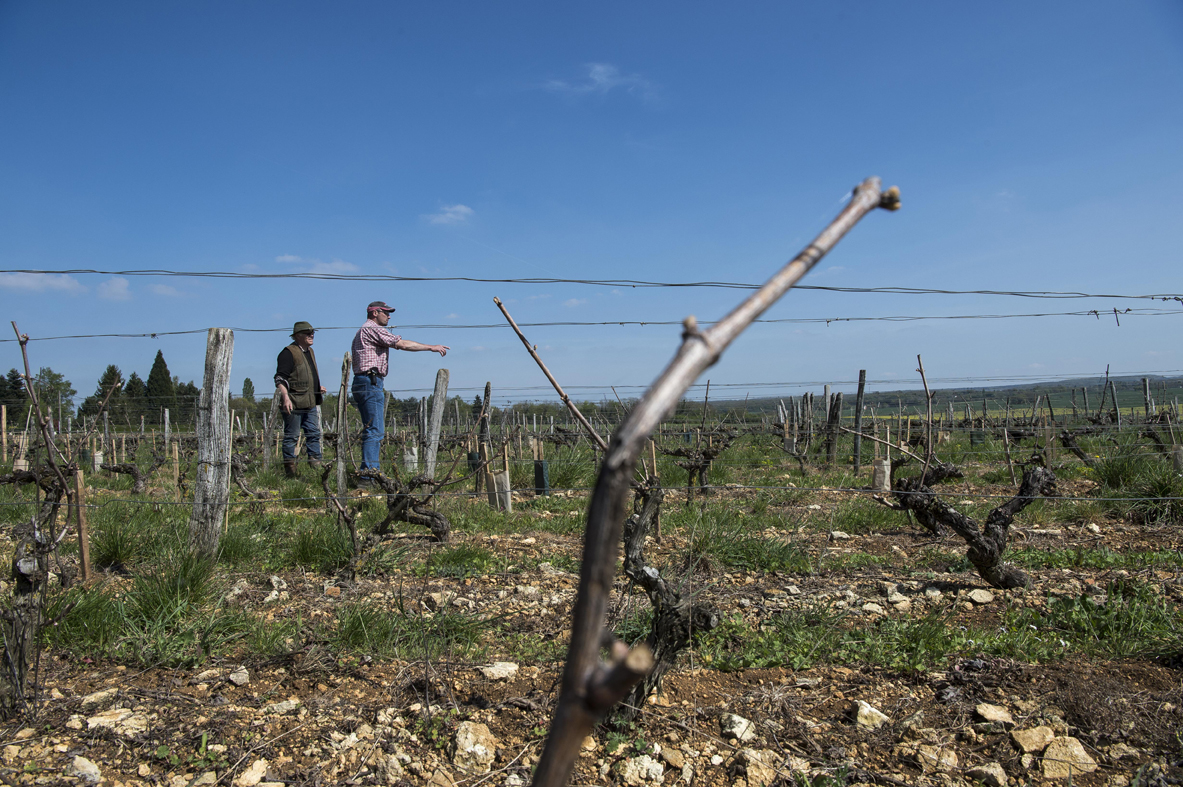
x=371, y=362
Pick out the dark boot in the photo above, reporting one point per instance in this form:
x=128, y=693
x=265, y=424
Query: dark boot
x=289, y=468
x=315, y=463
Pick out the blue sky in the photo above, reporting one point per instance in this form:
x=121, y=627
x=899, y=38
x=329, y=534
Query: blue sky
x=1038, y=147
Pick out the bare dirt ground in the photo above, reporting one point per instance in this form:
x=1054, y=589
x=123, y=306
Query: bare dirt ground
x=315, y=717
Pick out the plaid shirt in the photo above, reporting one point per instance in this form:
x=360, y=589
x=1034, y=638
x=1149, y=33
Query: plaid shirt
x=371, y=348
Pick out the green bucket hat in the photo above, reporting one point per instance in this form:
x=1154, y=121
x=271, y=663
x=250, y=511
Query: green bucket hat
x=302, y=327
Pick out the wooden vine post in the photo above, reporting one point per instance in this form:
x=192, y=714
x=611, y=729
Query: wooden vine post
x=342, y=425
x=439, y=401
x=211, y=490
x=590, y=687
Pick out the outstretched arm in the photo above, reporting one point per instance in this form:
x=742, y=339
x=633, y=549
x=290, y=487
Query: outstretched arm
x=416, y=347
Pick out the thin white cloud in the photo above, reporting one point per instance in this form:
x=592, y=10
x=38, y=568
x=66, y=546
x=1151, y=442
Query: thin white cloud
x=450, y=214
x=453, y=316
x=573, y=302
x=115, y=289
x=336, y=266
x=164, y=289
x=288, y=258
x=40, y=282
x=603, y=78
x=540, y=296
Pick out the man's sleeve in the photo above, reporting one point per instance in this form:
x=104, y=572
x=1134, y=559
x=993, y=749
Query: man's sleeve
x=284, y=366
x=381, y=337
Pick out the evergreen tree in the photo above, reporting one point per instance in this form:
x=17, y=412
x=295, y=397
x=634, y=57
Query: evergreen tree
x=477, y=404
x=91, y=405
x=160, y=389
x=13, y=389
x=134, y=388
x=248, y=390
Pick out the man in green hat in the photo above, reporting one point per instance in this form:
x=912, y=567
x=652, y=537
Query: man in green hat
x=297, y=385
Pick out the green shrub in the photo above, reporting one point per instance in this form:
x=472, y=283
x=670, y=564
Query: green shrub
x=398, y=634
x=321, y=546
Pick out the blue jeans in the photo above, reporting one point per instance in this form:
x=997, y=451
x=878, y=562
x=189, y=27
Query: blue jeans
x=370, y=399
x=293, y=422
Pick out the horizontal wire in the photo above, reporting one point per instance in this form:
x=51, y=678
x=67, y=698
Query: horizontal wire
x=635, y=283
x=1098, y=314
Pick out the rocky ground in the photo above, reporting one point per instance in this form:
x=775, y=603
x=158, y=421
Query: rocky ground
x=315, y=717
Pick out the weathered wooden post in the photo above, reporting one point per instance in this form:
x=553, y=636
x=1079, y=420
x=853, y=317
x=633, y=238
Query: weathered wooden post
x=4, y=433
x=167, y=429
x=858, y=421
x=1146, y=396
x=83, y=530
x=211, y=489
x=438, y=402
x=269, y=430
x=342, y=424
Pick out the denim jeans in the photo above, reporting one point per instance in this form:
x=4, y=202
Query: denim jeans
x=293, y=422
x=370, y=399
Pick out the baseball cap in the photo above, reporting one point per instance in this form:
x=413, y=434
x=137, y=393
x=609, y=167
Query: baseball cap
x=379, y=306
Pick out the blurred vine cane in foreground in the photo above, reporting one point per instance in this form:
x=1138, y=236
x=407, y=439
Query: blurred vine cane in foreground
x=590, y=687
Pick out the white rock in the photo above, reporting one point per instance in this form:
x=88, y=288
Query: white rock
x=838, y=535
x=990, y=774
x=716, y=759
x=206, y=676
x=476, y=747
x=642, y=770
x=277, y=583
x=994, y=713
x=499, y=670
x=98, y=698
x=121, y=720
x=737, y=727
x=252, y=775
x=872, y=608
x=980, y=596
x=760, y=766
x=240, y=677
x=86, y=770
x=287, y=706
x=870, y=716
x=1033, y=740
x=1065, y=757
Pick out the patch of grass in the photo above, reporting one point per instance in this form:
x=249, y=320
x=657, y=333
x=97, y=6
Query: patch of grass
x=861, y=515
x=1100, y=558
x=384, y=559
x=462, y=560
x=320, y=546
x=375, y=631
x=747, y=551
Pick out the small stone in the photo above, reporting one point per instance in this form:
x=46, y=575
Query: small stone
x=716, y=759
x=872, y=608
x=287, y=706
x=589, y=743
x=980, y=596
x=1093, y=528
x=476, y=747
x=75, y=722
x=896, y=597
x=529, y=541
x=1121, y=751
x=209, y=777
x=994, y=713
x=252, y=775
x=121, y=720
x=673, y=758
x=760, y=766
x=642, y=770
x=990, y=774
x=143, y=771
x=499, y=670
x=792, y=590
x=1033, y=740
x=441, y=778
x=240, y=677
x=332, y=591
x=438, y=600
x=937, y=758
x=54, y=694
x=277, y=583
x=98, y=697
x=737, y=727
x=932, y=594
x=838, y=535
x=26, y=733
x=85, y=770
x=206, y=676
x=869, y=716
x=1065, y=757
